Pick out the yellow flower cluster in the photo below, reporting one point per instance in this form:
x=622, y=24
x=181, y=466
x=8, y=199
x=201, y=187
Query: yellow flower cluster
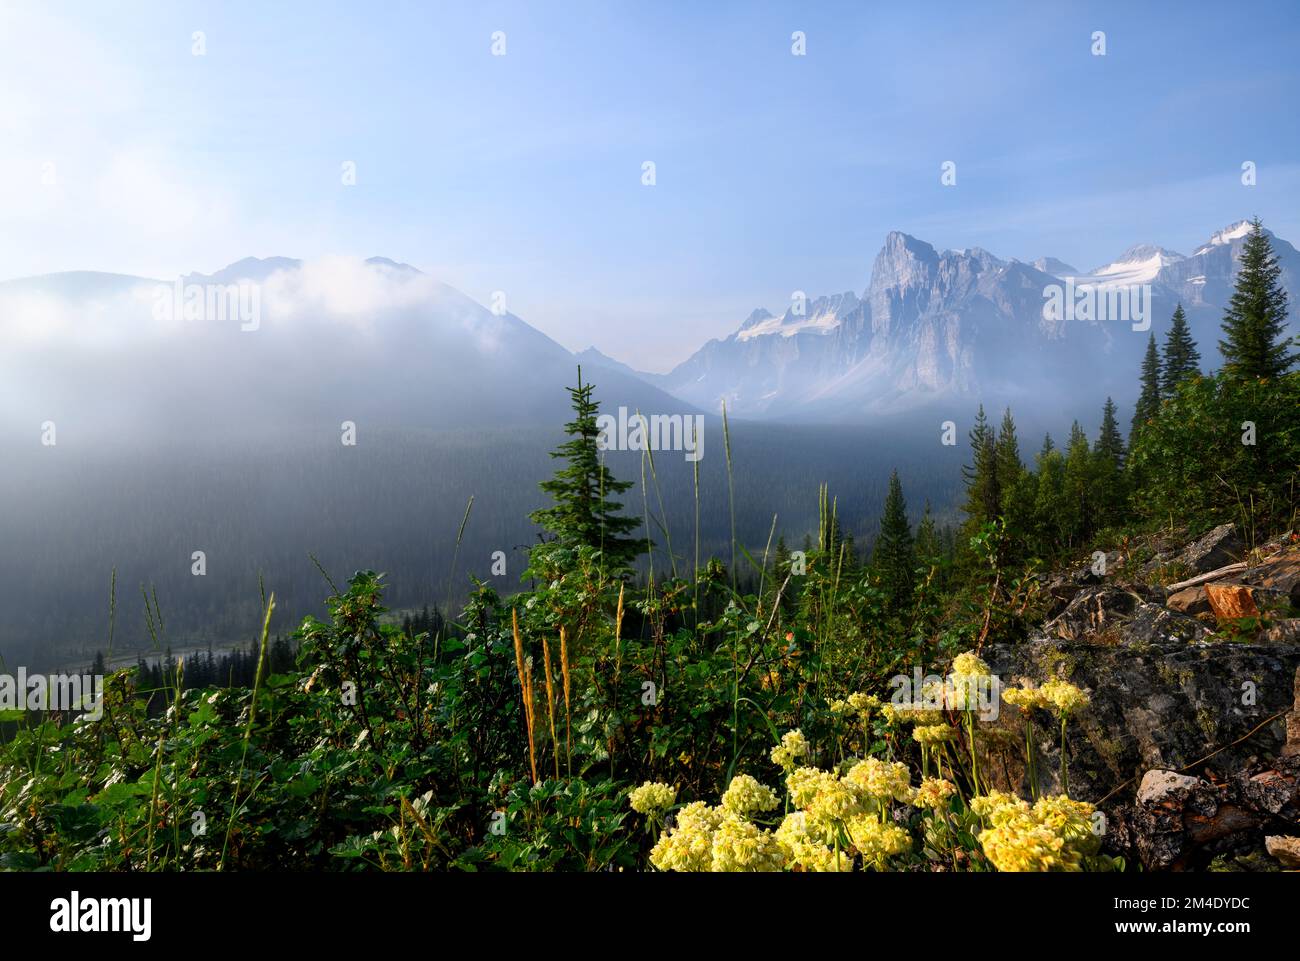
x=929, y=734
x=1026, y=697
x=1065, y=698
x=739, y=845
x=934, y=793
x=792, y=749
x=969, y=665
x=745, y=796
x=863, y=704
x=652, y=797
x=688, y=846
x=715, y=839
x=807, y=847
x=876, y=841
x=1053, y=835
x=882, y=781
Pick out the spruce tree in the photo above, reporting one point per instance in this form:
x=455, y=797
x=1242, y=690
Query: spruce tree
x=1148, y=403
x=983, y=499
x=1255, y=322
x=583, y=513
x=1110, y=481
x=1077, y=498
x=1110, y=443
x=894, y=555
x=1182, y=359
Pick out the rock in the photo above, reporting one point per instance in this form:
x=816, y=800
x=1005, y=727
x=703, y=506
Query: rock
x=1158, y=701
x=1231, y=602
x=1190, y=601
x=1151, y=622
x=1285, y=631
x=1092, y=611
x=1219, y=547
x=1285, y=849
x=1292, y=746
x=1279, y=574
x=1166, y=787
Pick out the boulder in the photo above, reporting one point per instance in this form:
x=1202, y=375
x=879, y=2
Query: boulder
x=1231, y=602
x=1286, y=631
x=1218, y=548
x=1285, y=849
x=1159, y=700
x=1279, y=575
x=1190, y=601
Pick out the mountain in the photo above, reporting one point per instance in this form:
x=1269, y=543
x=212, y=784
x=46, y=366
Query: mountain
x=943, y=330
x=277, y=344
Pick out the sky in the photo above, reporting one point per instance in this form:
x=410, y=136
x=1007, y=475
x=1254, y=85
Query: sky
x=122, y=149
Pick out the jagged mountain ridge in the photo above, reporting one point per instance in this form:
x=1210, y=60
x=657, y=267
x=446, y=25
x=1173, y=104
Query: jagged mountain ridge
x=934, y=328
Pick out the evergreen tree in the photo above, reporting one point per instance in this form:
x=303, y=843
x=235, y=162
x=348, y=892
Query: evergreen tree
x=1255, y=321
x=1110, y=491
x=584, y=514
x=1148, y=403
x=1049, y=445
x=929, y=550
x=983, y=499
x=1182, y=359
x=894, y=556
x=1110, y=443
x=1077, y=501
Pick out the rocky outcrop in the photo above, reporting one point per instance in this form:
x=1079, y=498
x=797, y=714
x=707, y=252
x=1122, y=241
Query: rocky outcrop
x=1192, y=741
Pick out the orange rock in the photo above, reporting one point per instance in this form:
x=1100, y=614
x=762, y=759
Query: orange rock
x=1231, y=602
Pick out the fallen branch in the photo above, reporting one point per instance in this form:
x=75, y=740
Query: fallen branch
x=1203, y=578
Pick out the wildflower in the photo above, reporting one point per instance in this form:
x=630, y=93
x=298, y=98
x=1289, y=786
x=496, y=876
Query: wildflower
x=1025, y=697
x=1054, y=835
x=739, y=845
x=1065, y=698
x=934, y=793
x=881, y=780
x=863, y=703
x=838, y=706
x=929, y=734
x=805, y=846
x=792, y=748
x=745, y=796
x=969, y=665
x=688, y=846
x=876, y=841
x=834, y=800
x=804, y=783
x=652, y=798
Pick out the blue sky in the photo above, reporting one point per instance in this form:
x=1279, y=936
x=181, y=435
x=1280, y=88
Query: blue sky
x=522, y=173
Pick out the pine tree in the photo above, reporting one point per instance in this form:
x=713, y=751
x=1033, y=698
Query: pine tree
x=983, y=499
x=1255, y=321
x=1148, y=403
x=1182, y=359
x=894, y=555
x=584, y=514
x=1049, y=445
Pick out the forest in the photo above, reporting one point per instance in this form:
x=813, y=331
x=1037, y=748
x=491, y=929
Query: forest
x=652, y=696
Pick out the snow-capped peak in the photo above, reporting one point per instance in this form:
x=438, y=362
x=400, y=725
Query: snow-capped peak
x=1226, y=236
x=1137, y=265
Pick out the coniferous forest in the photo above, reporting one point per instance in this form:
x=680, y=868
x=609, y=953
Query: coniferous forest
x=942, y=700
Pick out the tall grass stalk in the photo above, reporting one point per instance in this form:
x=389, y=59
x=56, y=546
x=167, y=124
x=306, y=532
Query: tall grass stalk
x=731, y=491
x=248, y=730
